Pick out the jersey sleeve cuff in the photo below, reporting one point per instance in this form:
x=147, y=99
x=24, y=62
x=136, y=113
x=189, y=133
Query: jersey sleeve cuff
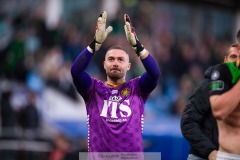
x=89, y=49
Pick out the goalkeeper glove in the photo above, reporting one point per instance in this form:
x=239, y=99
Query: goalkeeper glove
x=100, y=34
x=132, y=37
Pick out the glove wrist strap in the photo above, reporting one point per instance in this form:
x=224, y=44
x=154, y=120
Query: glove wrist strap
x=94, y=46
x=143, y=52
x=139, y=49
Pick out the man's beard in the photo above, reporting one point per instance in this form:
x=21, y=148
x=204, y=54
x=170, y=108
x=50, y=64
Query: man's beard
x=115, y=76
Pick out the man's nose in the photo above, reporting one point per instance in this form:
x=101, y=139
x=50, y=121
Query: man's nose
x=115, y=65
x=115, y=62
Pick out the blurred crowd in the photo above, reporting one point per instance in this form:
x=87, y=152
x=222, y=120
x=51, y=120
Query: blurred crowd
x=35, y=56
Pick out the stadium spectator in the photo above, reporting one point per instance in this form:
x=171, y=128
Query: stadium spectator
x=198, y=124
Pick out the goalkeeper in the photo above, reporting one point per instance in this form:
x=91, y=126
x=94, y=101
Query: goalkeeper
x=115, y=107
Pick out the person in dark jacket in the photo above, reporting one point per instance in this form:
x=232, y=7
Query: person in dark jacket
x=198, y=125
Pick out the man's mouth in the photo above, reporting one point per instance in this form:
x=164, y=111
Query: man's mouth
x=115, y=69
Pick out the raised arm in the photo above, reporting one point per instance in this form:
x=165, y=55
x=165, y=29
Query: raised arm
x=224, y=104
x=81, y=78
x=149, y=79
x=224, y=89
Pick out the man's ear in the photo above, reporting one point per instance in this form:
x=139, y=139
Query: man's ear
x=129, y=66
x=104, y=64
x=225, y=59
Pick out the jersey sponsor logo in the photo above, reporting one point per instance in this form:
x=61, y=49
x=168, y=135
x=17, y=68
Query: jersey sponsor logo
x=115, y=98
x=125, y=92
x=215, y=75
x=217, y=85
x=116, y=120
x=113, y=105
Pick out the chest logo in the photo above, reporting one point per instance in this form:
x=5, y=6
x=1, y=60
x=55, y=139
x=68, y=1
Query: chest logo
x=115, y=109
x=125, y=92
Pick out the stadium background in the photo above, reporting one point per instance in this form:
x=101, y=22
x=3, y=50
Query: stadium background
x=41, y=113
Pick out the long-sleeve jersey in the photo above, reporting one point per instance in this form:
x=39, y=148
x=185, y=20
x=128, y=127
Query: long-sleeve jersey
x=114, y=115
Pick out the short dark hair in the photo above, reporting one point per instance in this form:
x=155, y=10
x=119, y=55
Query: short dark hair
x=118, y=47
x=235, y=45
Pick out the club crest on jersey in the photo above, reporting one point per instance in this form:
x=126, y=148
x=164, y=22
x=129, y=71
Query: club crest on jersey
x=125, y=92
x=215, y=75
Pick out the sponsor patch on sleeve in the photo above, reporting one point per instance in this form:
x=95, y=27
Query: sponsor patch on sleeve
x=216, y=86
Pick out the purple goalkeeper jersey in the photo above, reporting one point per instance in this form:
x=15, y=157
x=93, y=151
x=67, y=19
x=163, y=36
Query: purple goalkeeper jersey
x=115, y=117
